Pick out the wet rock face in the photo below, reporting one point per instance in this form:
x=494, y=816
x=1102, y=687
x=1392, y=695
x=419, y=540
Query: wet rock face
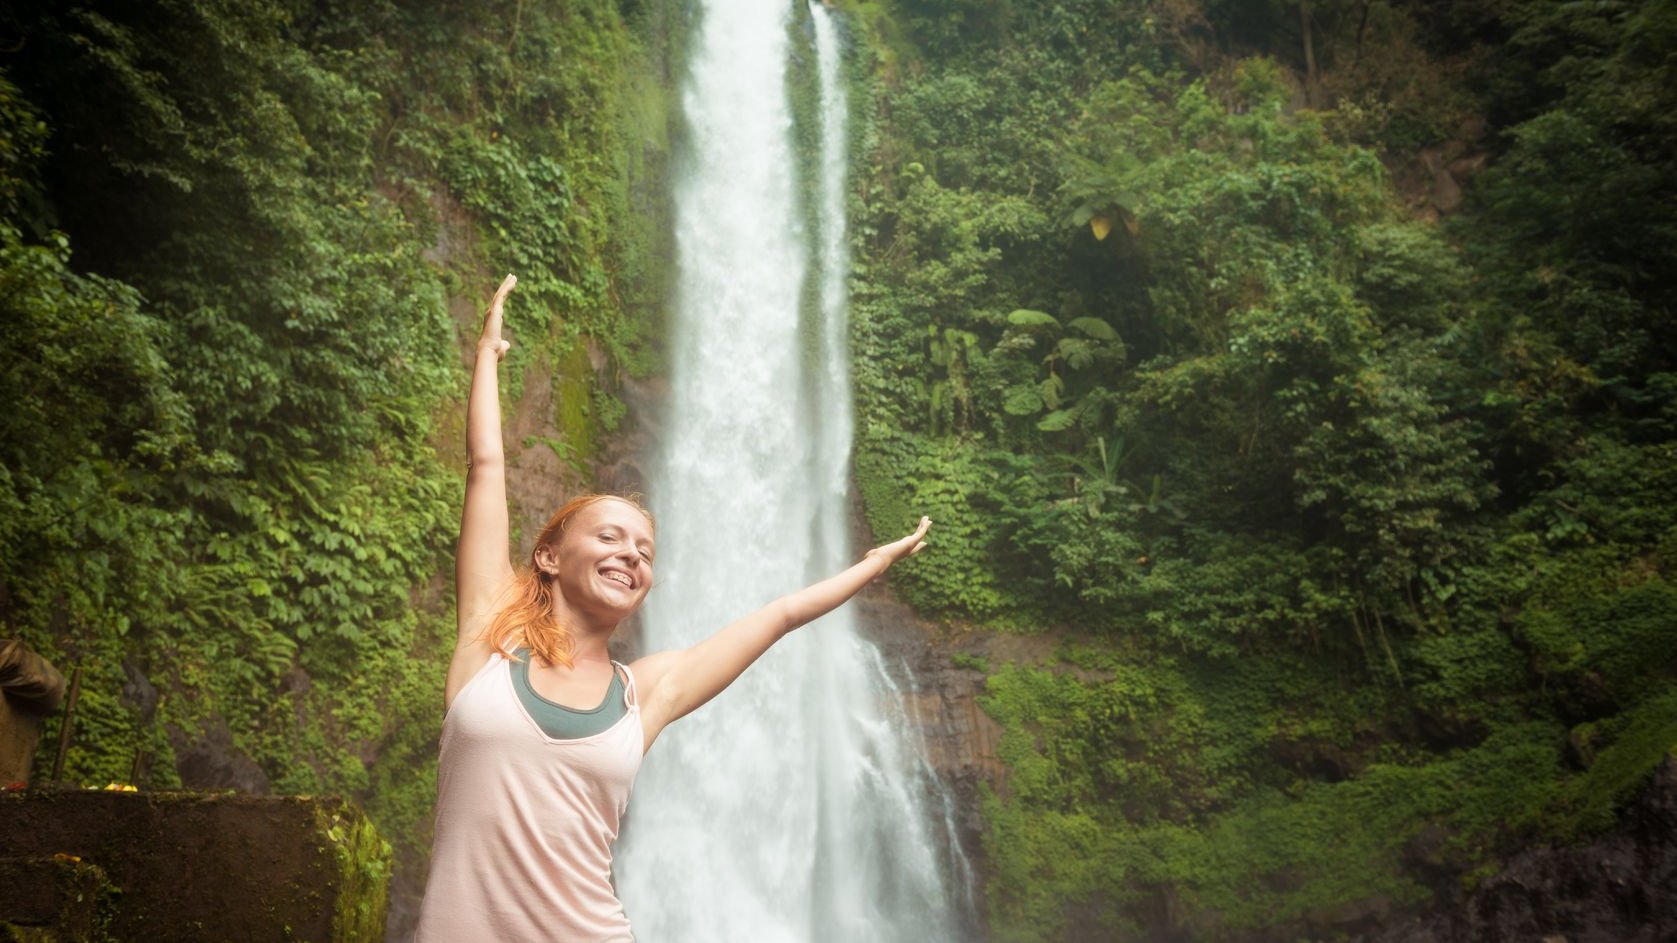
x=208, y=760
x=1619, y=888
x=941, y=699
x=935, y=671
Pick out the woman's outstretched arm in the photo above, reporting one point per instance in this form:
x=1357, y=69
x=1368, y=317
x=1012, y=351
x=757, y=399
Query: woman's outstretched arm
x=674, y=683
x=481, y=563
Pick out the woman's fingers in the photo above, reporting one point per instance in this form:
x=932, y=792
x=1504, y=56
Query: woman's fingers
x=492, y=317
x=917, y=540
x=905, y=546
x=506, y=287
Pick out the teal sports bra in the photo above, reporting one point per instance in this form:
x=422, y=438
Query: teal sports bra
x=567, y=723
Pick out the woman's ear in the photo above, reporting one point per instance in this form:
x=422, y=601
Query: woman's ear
x=546, y=560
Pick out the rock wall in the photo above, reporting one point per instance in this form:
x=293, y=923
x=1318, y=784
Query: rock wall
x=190, y=867
x=937, y=670
x=1620, y=887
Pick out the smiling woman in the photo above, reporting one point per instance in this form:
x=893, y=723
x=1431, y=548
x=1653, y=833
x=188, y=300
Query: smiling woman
x=591, y=538
x=544, y=733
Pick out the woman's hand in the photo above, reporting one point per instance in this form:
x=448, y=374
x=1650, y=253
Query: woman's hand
x=906, y=547
x=490, y=339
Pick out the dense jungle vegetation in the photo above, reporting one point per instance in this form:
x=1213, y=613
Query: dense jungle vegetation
x=1353, y=518
x=229, y=473
x=1357, y=527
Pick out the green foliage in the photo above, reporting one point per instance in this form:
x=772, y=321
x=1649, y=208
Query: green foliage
x=363, y=861
x=1573, y=229
x=23, y=136
x=1395, y=476
x=1135, y=785
x=220, y=491
x=1262, y=246
x=1620, y=752
x=946, y=488
x=1362, y=523
x=1597, y=627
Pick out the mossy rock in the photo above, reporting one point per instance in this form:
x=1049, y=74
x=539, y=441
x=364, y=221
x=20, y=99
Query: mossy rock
x=58, y=899
x=194, y=866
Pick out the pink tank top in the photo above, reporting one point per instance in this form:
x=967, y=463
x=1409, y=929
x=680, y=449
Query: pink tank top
x=525, y=822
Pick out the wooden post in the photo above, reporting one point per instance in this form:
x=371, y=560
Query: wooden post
x=141, y=768
x=69, y=721
x=1309, y=55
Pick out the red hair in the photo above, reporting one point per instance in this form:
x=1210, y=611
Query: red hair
x=527, y=617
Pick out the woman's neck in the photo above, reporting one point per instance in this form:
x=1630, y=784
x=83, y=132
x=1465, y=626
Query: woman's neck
x=590, y=646
x=589, y=635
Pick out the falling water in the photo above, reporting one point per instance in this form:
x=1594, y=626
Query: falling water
x=794, y=807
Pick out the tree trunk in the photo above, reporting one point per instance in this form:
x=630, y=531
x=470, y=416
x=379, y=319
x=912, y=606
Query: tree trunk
x=1309, y=55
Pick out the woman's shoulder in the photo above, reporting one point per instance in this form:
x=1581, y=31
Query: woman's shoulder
x=649, y=670
x=468, y=661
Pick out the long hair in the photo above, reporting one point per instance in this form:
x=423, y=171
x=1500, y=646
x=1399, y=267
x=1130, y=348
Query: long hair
x=527, y=617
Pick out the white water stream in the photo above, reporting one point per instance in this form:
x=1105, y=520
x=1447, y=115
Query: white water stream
x=795, y=808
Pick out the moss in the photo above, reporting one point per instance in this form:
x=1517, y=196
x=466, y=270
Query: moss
x=60, y=899
x=640, y=201
x=1599, y=625
x=214, y=866
x=901, y=477
x=1253, y=794
x=880, y=25
x=1629, y=748
x=364, y=866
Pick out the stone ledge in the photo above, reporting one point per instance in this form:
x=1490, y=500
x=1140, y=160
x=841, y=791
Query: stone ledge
x=207, y=867
x=60, y=899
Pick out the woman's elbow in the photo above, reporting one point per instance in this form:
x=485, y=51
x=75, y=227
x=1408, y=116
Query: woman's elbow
x=785, y=616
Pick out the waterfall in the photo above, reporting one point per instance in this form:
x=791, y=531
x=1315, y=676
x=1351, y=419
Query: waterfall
x=795, y=807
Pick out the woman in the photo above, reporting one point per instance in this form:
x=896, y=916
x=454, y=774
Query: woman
x=544, y=733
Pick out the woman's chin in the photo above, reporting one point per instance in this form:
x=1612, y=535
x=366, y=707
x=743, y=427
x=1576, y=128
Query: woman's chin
x=609, y=612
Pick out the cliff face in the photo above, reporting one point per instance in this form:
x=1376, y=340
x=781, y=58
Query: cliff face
x=1620, y=887
x=941, y=672
x=941, y=699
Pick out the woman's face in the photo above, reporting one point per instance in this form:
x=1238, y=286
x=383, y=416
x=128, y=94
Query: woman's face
x=603, y=561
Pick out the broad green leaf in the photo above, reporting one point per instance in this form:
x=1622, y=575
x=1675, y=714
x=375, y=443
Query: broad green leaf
x=1095, y=328
x=1057, y=420
x=1022, y=401
x=1075, y=352
x=1025, y=317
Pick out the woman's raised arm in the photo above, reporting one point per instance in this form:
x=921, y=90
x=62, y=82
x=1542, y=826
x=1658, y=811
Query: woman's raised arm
x=674, y=683
x=482, y=565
